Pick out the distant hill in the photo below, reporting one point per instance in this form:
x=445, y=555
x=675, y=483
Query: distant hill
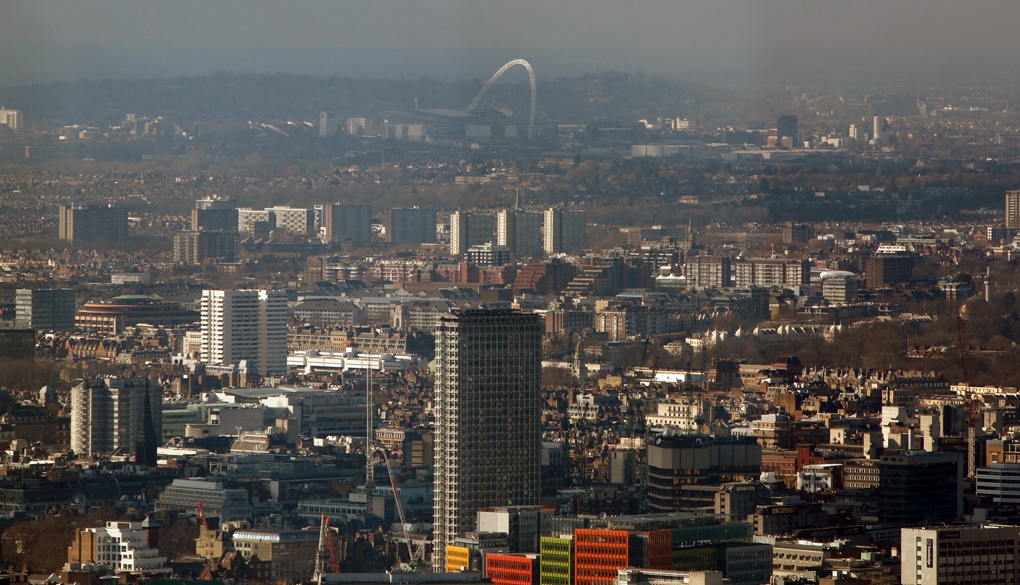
x=608, y=95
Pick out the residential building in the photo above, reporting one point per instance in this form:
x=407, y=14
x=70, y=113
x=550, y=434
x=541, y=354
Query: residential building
x=704, y=271
x=214, y=214
x=565, y=230
x=521, y=231
x=798, y=233
x=122, y=547
x=17, y=344
x=296, y=220
x=348, y=221
x=195, y=247
x=960, y=554
x=14, y=119
x=414, y=225
x=44, y=309
x=117, y=414
x=489, y=254
x=327, y=125
x=255, y=223
x=88, y=223
x=245, y=325
x=470, y=229
x=487, y=438
x=770, y=272
x=1013, y=210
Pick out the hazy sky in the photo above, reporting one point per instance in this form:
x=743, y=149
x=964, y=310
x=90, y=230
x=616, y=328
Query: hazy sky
x=736, y=41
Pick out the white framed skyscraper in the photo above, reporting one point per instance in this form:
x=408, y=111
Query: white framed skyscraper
x=488, y=418
x=245, y=325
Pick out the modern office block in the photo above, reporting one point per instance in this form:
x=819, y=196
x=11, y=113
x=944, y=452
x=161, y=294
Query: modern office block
x=960, y=554
x=110, y=414
x=184, y=495
x=488, y=417
x=44, y=309
x=245, y=325
x=599, y=554
x=919, y=486
x=557, y=561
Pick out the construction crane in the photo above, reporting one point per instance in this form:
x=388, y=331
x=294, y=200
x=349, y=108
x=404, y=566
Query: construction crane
x=973, y=406
x=416, y=554
x=334, y=558
x=324, y=554
x=201, y=516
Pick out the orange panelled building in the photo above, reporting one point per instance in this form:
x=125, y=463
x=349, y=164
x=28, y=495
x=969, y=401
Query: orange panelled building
x=511, y=569
x=598, y=554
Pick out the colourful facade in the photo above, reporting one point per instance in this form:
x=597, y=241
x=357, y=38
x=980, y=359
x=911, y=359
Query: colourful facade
x=598, y=554
x=456, y=558
x=504, y=569
x=557, y=561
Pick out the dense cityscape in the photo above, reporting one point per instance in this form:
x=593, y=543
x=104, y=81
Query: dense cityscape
x=608, y=329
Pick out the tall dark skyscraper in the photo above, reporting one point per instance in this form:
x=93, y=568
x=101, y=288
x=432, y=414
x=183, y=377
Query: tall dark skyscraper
x=786, y=127
x=488, y=416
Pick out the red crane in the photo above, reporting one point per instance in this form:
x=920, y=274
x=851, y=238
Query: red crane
x=334, y=558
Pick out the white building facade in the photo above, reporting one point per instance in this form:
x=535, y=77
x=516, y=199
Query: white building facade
x=245, y=325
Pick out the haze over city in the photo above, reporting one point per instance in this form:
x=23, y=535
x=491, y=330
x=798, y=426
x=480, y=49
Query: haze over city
x=521, y=293
x=744, y=43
